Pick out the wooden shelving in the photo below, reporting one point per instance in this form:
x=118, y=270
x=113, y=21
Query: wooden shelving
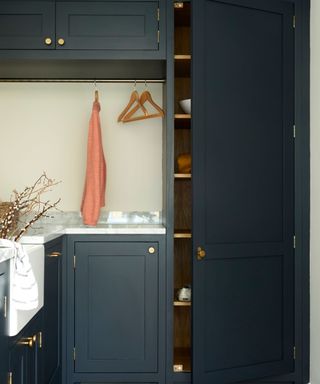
x=182, y=191
x=182, y=303
x=182, y=175
x=182, y=234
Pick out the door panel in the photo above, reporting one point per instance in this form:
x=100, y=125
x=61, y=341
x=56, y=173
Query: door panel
x=243, y=196
x=108, y=25
x=116, y=289
x=26, y=25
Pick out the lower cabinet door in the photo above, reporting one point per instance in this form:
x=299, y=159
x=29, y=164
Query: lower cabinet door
x=18, y=359
x=116, y=307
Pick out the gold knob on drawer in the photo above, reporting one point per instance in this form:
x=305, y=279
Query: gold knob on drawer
x=201, y=253
x=61, y=41
x=48, y=41
x=151, y=250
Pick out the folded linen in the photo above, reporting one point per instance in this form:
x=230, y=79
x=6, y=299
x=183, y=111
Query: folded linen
x=24, y=294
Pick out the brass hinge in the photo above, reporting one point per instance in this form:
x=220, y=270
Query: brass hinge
x=9, y=377
x=5, y=303
x=74, y=353
x=294, y=353
x=294, y=21
x=294, y=131
x=158, y=14
x=178, y=5
x=294, y=241
x=158, y=36
x=74, y=262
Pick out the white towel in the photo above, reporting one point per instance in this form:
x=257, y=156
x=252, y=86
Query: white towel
x=24, y=293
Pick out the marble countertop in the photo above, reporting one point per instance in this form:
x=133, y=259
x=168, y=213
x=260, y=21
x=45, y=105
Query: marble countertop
x=47, y=233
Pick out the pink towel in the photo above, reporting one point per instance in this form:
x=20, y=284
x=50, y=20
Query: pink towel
x=95, y=185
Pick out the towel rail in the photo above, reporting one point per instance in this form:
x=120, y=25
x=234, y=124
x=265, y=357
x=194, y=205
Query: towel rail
x=150, y=81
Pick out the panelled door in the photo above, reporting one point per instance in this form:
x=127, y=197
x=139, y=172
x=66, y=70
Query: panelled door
x=243, y=190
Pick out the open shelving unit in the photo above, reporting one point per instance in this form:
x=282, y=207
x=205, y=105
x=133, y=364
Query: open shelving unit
x=182, y=190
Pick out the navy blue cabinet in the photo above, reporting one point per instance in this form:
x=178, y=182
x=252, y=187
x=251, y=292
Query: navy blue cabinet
x=25, y=354
x=3, y=321
x=82, y=26
x=117, y=332
x=51, y=340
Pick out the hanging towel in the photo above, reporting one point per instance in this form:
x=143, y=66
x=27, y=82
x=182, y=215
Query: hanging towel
x=95, y=183
x=25, y=294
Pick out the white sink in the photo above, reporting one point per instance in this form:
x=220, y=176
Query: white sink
x=18, y=319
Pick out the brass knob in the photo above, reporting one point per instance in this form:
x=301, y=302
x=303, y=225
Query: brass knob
x=61, y=41
x=27, y=341
x=201, y=253
x=151, y=250
x=48, y=41
x=54, y=254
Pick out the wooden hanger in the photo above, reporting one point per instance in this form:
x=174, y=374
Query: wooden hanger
x=145, y=96
x=134, y=98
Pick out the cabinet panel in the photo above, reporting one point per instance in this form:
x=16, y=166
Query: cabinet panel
x=108, y=25
x=243, y=190
x=52, y=315
x=116, y=307
x=3, y=321
x=26, y=25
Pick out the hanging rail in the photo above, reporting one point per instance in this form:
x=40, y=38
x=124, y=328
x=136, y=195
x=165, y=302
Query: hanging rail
x=82, y=81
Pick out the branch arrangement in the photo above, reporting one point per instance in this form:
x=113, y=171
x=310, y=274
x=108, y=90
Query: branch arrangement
x=26, y=208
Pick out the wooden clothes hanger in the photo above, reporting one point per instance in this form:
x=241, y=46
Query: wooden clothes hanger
x=134, y=98
x=145, y=96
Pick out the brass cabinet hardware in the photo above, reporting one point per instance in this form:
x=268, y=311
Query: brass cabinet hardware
x=178, y=5
x=201, y=253
x=40, y=339
x=54, y=254
x=9, y=377
x=48, y=41
x=151, y=250
x=5, y=303
x=29, y=341
x=61, y=41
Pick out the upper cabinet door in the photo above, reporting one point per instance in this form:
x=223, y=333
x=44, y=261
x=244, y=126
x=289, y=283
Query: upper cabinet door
x=111, y=25
x=243, y=189
x=27, y=25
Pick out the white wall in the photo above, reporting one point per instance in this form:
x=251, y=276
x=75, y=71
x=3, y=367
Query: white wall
x=44, y=127
x=315, y=193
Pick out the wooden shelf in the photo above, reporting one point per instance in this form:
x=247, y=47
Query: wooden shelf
x=182, y=303
x=182, y=175
x=182, y=116
x=182, y=57
x=182, y=234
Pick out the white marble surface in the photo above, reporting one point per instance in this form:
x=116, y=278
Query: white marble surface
x=45, y=234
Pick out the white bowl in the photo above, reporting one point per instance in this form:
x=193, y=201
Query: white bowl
x=186, y=105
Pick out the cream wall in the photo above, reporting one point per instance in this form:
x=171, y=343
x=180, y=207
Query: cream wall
x=44, y=127
x=315, y=193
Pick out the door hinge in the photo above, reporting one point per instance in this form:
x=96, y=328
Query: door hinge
x=74, y=353
x=74, y=262
x=158, y=14
x=294, y=353
x=294, y=21
x=294, y=241
x=9, y=377
x=294, y=131
x=158, y=37
x=5, y=303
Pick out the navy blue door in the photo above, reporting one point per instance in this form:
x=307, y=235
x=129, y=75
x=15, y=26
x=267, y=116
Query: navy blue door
x=3, y=320
x=243, y=190
x=116, y=307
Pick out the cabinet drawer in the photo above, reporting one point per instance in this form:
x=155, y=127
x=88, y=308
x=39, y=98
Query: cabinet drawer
x=26, y=25
x=108, y=25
